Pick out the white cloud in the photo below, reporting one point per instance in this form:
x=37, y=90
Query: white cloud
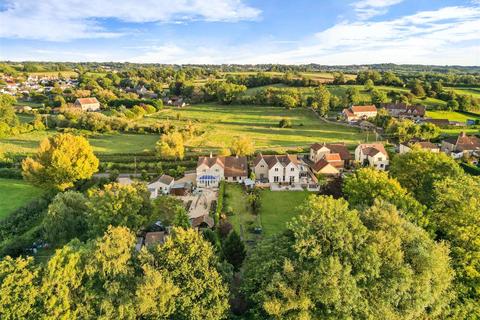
x=59, y=20
x=367, y=9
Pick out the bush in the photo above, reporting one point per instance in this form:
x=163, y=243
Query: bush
x=10, y=173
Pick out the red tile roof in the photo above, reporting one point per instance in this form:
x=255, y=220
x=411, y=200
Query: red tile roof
x=370, y=108
x=87, y=100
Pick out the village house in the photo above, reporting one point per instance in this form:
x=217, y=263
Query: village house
x=160, y=186
x=329, y=158
x=373, y=155
x=355, y=113
x=401, y=110
x=202, y=222
x=330, y=165
x=461, y=145
x=281, y=169
x=211, y=170
x=424, y=145
x=87, y=104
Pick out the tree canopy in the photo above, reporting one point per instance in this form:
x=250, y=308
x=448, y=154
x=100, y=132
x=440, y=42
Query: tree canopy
x=334, y=262
x=60, y=161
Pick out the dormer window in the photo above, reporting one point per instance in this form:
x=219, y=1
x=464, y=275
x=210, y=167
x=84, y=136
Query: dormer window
x=276, y=169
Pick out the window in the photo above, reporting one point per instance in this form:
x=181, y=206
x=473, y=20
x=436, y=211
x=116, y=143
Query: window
x=380, y=159
x=275, y=179
x=262, y=166
x=276, y=169
x=204, y=170
x=381, y=165
x=216, y=170
x=292, y=169
x=234, y=178
x=292, y=179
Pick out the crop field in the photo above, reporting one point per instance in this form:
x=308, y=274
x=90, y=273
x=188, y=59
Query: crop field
x=220, y=124
x=14, y=194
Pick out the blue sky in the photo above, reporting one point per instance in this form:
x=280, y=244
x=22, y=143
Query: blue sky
x=242, y=31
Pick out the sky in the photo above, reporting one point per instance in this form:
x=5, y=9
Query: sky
x=329, y=32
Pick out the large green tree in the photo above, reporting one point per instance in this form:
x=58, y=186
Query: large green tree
x=118, y=205
x=366, y=185
x=60, y=161
x=322, y=99
x=192, y=265
x=417, y=171
x=234, y=250
x=455, y=217
x=337, y=263
x=66, y=218
x=171, y=145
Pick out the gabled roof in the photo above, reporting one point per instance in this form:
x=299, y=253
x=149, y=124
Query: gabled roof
x=210, y=161
x=395, y=106
x=370, y=108
x=272, y=160
x=321, y=164
x=438, y=122
x=337, y=147
x=205, y=219
x=371, y=149
x=333, y=157
x=165, y=179
x=236, y=167
x=465, y=143
x=233, y=166
x=87, y=100
x=427, y=145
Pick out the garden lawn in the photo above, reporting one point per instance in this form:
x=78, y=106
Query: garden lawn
x=28, y=143
x=242, y=217
x=278, y=208
x=14, y=194
x=218, y=125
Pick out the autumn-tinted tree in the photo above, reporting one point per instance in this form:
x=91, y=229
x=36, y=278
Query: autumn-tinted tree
x=18, y=288
x=418, y=170
x=242, y=146
x=171, y=145
x=60, y=161
x=337, y=263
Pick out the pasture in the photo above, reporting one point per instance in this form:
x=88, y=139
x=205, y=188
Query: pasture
x=14, y=194
x=28, y=143
x=451, y=115
x=218, y=125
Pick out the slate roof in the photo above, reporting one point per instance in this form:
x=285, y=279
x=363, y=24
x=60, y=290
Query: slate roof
x=336, y=147
x=233, y=166
x=464, y=142
x=371, y=149
x=272, y=160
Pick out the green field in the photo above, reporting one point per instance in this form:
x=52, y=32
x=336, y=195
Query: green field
x=67, y=74
x=14, y=194
x=451, y=115
x=474, y=92
x=27, y=143
x=219, y=125
x=278, y=208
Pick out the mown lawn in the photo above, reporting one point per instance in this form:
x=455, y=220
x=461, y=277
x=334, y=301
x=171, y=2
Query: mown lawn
x=28, y=143
x=14, y=194
x=218, y=125
x=242, y=218
x=278, y=208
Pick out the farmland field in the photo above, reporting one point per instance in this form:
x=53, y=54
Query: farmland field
x=27, y=143
x=474, y=92
x=220, y=124
x=451, y=115
x=14, y=194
